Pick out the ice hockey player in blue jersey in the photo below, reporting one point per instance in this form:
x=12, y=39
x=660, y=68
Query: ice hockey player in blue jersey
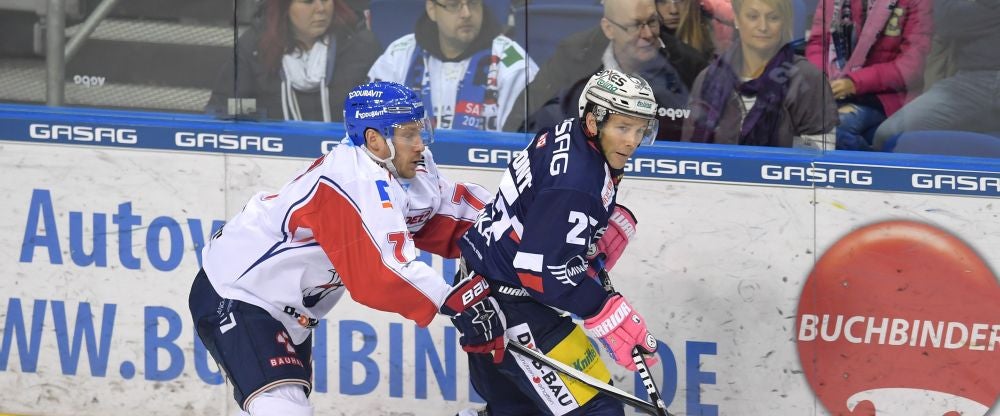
x=555, y=213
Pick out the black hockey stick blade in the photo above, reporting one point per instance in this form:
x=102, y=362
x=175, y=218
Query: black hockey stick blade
x=585, y=378
x=647, y=381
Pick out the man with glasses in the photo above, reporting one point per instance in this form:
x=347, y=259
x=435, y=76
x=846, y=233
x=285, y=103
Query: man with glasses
x=627, y=40
x=466, y=72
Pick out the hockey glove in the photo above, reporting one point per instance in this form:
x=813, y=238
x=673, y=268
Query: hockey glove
x=620, y=328
x=477, y=316
x=621, y=229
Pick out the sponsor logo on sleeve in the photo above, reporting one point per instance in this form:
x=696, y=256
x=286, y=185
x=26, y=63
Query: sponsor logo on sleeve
x=383, y=193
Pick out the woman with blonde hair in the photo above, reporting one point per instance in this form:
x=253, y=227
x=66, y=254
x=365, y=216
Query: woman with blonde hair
x=688, y=22
x=759, y=92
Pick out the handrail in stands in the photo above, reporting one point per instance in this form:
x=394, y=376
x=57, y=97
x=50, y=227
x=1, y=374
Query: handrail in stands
x=58, y=51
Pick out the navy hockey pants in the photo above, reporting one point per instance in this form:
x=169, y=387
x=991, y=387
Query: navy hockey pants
x=253, y=348
x=520, y=386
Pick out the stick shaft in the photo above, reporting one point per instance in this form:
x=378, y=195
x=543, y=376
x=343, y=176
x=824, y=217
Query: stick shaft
x=640, y=362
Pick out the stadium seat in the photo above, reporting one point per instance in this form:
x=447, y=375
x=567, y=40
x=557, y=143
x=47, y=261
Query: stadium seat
x=801, y=20
x=391, y=19
x=938, y=142
x=546, y=23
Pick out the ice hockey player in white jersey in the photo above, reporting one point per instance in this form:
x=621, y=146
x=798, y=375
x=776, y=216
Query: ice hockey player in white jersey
x=457, y=60
x=352, y=220
x=538, y=242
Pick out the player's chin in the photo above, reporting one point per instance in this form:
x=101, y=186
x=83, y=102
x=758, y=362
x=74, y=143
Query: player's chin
x=618, y=160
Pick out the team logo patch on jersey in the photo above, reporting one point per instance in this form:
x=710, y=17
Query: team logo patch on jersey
x=541, y=141
x=311, y=296
x=305, y=320
x=901, y=318
x=383, y=193
x=609, y=190
x=568, y=273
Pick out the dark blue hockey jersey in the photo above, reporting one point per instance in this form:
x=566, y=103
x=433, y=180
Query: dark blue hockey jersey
x=554, y=201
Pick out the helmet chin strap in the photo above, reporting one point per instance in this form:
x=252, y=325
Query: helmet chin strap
x=387, y=162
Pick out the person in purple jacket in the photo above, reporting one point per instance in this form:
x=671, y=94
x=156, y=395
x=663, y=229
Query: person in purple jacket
x=873, y=52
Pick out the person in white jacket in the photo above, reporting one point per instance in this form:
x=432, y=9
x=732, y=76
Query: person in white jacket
x=352, y=220
x=467, y=73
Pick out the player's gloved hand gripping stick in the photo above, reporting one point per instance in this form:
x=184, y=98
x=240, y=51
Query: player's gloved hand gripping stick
x=477, y=316
x=656, y=408
x=646, y=342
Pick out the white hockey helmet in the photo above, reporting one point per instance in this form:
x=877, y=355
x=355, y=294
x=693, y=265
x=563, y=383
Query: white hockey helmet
x=613, y=91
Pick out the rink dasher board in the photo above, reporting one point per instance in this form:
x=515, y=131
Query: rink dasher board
x=718, y=268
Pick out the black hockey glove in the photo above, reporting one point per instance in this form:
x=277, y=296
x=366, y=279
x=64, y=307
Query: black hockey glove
x=477, y=316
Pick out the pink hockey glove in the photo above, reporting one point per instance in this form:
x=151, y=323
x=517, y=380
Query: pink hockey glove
x=620, y=328
x=621, y=229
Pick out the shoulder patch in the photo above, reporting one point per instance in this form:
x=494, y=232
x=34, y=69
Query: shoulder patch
x=511, y=56
x=541, y=141
x=402, y=44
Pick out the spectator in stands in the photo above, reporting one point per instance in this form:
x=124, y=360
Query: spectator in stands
x=721, y=13
x=759, y=92
x=457, y=60
x=873, y=54
x=687, y=21
x=969, y=100
x=298, y=61
x=627, y=40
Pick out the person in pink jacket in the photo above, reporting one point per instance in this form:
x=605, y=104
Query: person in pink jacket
x=873, y=52
x=722, y=15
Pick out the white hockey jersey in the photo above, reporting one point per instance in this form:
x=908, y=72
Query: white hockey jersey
x=444, y=80
x=343, y=222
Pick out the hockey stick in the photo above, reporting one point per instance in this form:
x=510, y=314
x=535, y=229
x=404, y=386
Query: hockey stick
x=637, y=358
x=585, y=378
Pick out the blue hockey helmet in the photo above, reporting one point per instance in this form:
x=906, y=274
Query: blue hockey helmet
x=383, y=105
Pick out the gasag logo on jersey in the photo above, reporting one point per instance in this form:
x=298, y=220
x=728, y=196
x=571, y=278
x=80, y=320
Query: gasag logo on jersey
x=818, y=175
x=560, y=156
x=901, y=317
x=216, y=141
x=82, y=133
x=547, y=383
